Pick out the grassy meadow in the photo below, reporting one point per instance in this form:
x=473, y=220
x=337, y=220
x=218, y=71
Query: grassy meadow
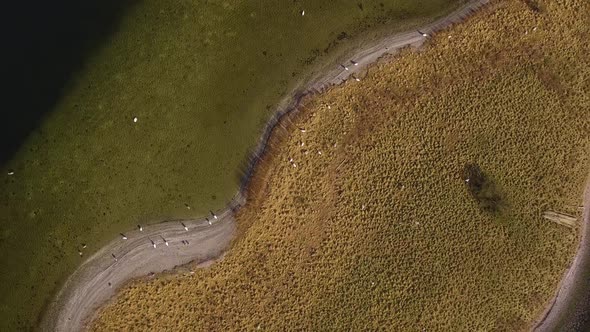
x=201, y=77
x=381, y=230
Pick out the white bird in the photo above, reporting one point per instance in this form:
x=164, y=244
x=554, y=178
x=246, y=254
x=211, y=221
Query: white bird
x=134, y=119
x=214, y=215
x=467, y=180
x=114, y=257
x=140, y=228
x=291, y=160
x=319, y=152
x=10, y=172
x=208, y=221
x=294, y=165
x=356, y=78
x=422, y=33
x=183, y=225
x=301, y=143
x=303, y=13
x=344, y=67
x=153, y=243
x=84, y=245
x=165, y=242
x=354, y=62
x=80, y=253
x=123, y=236
x=302, y=130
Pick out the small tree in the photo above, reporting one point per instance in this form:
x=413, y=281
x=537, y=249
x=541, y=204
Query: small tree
x=482, y=189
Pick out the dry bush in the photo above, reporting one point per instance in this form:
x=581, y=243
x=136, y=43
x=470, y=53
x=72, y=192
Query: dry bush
x=379, y=231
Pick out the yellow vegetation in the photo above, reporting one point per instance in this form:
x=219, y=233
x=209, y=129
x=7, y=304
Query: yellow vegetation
x=380, y=230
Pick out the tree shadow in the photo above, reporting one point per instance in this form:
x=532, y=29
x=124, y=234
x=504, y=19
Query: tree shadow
x=44, y=44
x=483, y=189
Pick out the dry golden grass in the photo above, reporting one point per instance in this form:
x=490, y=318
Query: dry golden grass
x=380, y=230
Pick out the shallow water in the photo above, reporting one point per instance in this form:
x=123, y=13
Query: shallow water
x=201, y=77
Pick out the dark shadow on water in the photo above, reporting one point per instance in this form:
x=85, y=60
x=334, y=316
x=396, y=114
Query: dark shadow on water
x=44, y=43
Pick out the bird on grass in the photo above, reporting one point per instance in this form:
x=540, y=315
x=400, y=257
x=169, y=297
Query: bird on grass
x=214, y=215
x=140, y=228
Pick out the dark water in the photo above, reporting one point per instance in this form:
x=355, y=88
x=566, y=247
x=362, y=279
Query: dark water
x=43, y=44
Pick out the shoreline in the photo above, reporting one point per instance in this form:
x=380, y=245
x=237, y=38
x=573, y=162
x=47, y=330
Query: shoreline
x=566, y=306
x=97, y=280
x=224, y=230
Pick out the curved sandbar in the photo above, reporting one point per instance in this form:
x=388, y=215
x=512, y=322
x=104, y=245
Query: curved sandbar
x=568, y=311
x=97, y=279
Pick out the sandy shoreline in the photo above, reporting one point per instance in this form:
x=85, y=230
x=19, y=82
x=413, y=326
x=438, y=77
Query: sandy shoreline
x=98, y=278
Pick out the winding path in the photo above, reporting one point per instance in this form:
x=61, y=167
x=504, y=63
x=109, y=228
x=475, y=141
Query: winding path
x=98, y=278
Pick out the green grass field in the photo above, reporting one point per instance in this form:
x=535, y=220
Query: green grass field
x=202, y=77
x=382, y=231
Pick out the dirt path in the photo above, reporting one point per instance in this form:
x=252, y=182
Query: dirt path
x=98, y=278
x=568, y=311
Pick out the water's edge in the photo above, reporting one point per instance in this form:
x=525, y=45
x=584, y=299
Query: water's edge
x=75, y=304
